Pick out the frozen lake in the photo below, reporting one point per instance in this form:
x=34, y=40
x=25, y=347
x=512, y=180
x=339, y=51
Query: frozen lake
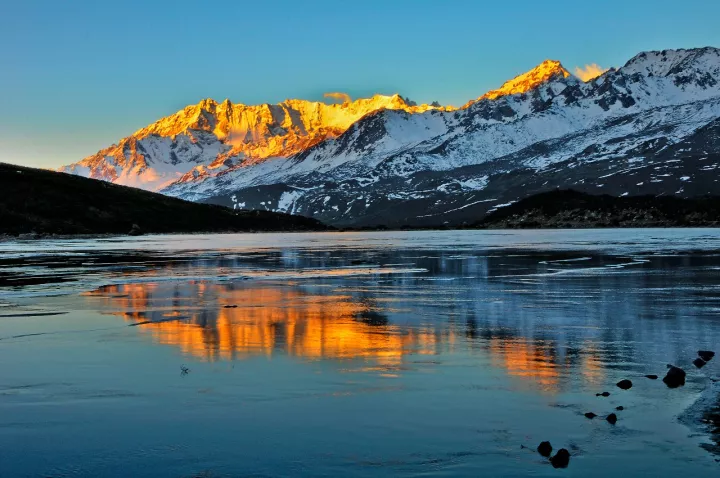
x=439, y=353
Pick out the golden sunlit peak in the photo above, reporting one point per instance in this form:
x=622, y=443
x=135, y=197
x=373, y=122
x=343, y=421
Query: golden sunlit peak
x=254, y=123
x=546, y=71
x=207, y=103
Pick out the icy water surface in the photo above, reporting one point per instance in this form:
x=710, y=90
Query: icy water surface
x=341, y=354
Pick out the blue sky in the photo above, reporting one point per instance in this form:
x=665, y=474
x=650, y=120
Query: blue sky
x=77, y=76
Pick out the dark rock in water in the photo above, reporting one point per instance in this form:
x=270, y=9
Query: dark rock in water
x=590, y=415
x=652, y=377
x=706, y=355
x=230, y=306
x=699, y=363
x=620, y=408
x=625, y=384
x=135, y=231
x=545, y=448
x=612, y=418
x=675, y=377
x=604, y=394
x=561, y=459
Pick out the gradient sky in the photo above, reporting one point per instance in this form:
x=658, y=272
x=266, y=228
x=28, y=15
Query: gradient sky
x=77, y=76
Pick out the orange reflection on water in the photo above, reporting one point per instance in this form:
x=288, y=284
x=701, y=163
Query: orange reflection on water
x=592, y=367
x=213, y=321
x=264, y=320
x=526, y=360
x=539, y=362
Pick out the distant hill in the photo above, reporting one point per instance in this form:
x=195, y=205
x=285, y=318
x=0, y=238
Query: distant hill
x=573, y=209
x=58, y=203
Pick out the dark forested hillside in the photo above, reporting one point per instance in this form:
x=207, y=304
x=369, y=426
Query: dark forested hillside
x=50, y=202
x=573, y=209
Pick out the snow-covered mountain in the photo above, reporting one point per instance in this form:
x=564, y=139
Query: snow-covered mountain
x=209, y=137
x=651, y=126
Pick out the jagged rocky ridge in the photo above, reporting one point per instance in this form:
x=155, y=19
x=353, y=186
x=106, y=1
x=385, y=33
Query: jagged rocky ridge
x=649, y=127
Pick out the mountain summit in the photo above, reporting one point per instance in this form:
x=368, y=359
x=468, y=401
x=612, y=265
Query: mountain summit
x=545, y=72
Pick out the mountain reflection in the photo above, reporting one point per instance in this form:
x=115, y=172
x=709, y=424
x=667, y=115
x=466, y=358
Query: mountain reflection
x=262, y=320
x=524, y=360
x=547, y=321
x=227, y=321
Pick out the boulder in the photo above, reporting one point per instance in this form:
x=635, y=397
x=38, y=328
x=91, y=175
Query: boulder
x=620, y=408
x=135, y=231
x=604, y=394
x=561, y=459
x=590, y=415
x=699, y=363
x=706, y=355
x=675, y=377
x=624, y=384
x=612, y=418
x=652, y=377
x=545, y=448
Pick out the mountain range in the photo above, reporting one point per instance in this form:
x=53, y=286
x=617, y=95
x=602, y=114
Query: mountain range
x=649, y=127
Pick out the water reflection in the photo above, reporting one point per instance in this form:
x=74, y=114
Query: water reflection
x=551, y=321
x=220, y=321
x=525, y=360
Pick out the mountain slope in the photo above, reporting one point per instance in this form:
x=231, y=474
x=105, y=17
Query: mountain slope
x=50, y=202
